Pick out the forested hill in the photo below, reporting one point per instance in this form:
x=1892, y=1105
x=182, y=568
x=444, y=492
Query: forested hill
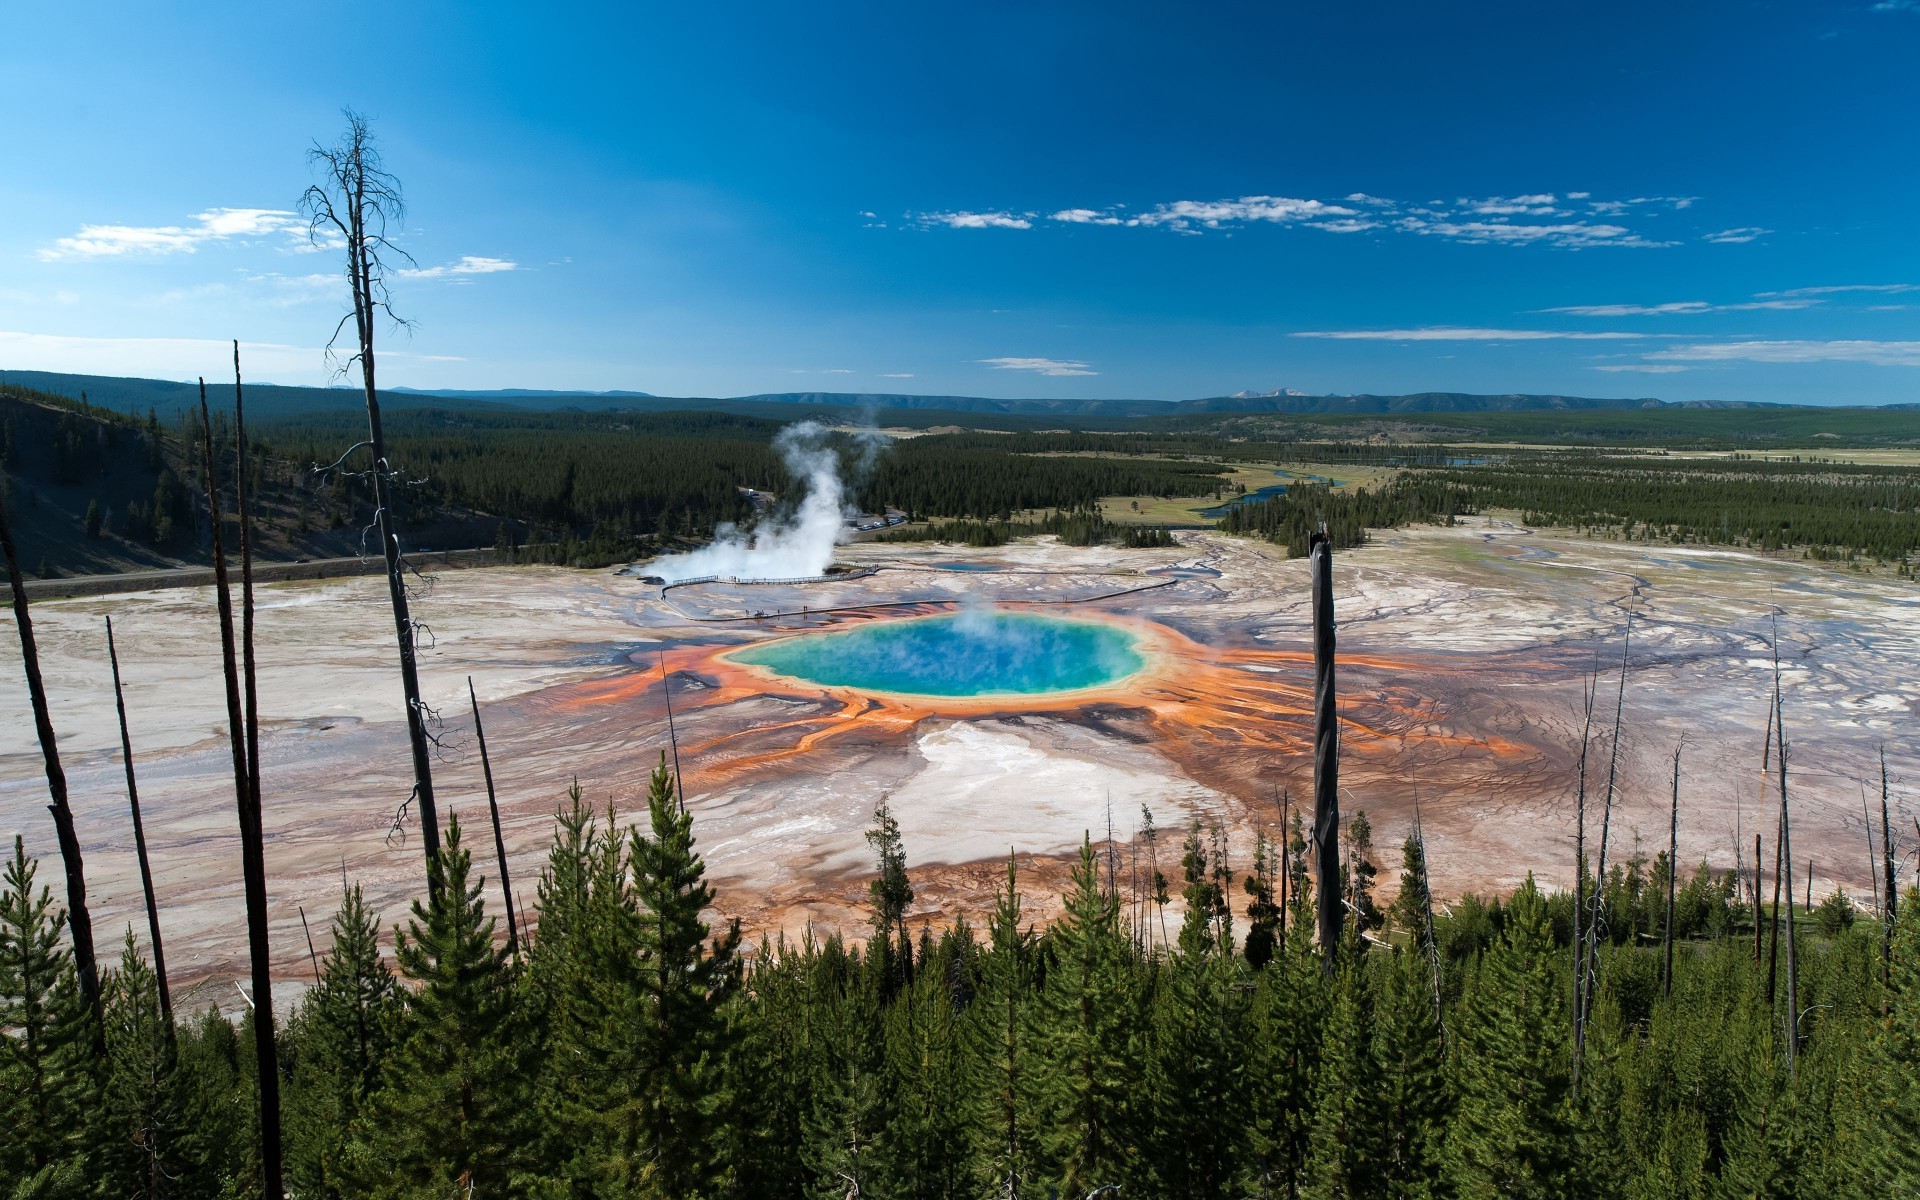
x=170, y=397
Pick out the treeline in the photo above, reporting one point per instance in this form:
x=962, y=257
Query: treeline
x=1086, y=527
x=955, y=475
x=1304, y=509
x=1833, y=510
x=1136, y=1047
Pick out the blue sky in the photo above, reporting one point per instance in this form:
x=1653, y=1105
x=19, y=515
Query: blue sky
x=1693, y=201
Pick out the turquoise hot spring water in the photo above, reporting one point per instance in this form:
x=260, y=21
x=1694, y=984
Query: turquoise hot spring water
x=964, y=654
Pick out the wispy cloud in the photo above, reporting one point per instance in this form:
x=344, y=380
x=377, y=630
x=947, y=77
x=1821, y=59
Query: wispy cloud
x=1450, y=333
x=1836, y=289
x=1043, y=366
x=1736, y=237
x=897, y=375
x=213, y=225
x=1537, y=218
x=1897, y=6
x=469, y=264
x=972, y=220
x=1681, y=307
x=1645, y=368
x=1882, y=354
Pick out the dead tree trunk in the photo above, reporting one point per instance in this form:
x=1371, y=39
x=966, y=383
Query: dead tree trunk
x=1580, y=862
x=140, y=840
x=1886, y=876
x=79, y=921
x=1786, y=851
x=1326, y=752
x=1591, y=965
x=252, y=858
x=355, y=203
x=493, y=809
x=1759, y=866
x=1773, y=920
x=1673, y=876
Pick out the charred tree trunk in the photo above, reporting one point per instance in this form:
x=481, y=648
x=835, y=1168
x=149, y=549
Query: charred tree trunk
x=1786, y=851
x=79, y=921
x=1591, y=966
x=1580, y=865
x=140, y=839
x=493, y=809
x=1759, y=865
x=1773, y=920
x=252, y=858
x=1673, y=876
x=1326, y=752
x=1887, y=876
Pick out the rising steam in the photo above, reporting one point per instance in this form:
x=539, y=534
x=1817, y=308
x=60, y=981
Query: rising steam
x=797, y=546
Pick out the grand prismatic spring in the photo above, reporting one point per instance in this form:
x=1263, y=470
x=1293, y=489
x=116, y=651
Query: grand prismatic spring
x=1018, y=704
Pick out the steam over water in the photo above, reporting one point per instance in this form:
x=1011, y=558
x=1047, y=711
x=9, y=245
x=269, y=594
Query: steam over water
x=798, y=546
x=976, y=652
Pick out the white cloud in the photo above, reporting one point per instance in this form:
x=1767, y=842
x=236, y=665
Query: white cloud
x=1645, y=368
x=1450, y=333
x=1044, y=366
x=1508, y=220
x=898, y=375
x=1220, y=214
x=1835, y=289
x=837, y=371
x=469, y=264
x=1545, y=204
x=1736, y=237
x=1680, y=307
x=213, y=225
x=1882, y=354
x=974, y=220
x=1572, y=235
x=1897, y=6
x=1085, y=216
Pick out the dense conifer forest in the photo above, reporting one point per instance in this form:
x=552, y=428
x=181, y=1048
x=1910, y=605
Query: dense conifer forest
x=1176, y=1037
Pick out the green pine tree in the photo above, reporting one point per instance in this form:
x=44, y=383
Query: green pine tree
x=139, y=1130
x=1090, y=1038
x=1346, y=1145
x=46, y=1084
x=1515, y=1136
x=449, y=1113
x=344, y=1031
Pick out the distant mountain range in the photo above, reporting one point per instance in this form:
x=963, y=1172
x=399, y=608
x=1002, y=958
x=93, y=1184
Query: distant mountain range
x=138, y=395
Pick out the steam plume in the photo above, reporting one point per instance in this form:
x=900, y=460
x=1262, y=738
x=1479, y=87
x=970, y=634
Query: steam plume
x=797, y=546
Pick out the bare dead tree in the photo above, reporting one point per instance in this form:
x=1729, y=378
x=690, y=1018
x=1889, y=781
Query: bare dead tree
x=1428, y=942
x=313, y=956
x=79, y=921
x=1326, y=752
x=355, y=204
x=1673, y=875
x=1786, y=851
x=1589, y=694
x=1873, y=861
x=493, y=808
x=140, y=840
x=1759, y=866
x=252, y=857
x=1887, y=876
x=1591, y=964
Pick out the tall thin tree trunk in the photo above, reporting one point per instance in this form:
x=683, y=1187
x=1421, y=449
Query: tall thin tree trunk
x=1580, y=863
x=1786, y=851
x=1673, y=875
x=1286, y=857
x=1759, y=867
x=79, y=921
x=493, y=809
x=1773, y=919
x=1887, y=876
x=1592, y=964
x=252, y=858
x=140, y=840
x=1326, y=751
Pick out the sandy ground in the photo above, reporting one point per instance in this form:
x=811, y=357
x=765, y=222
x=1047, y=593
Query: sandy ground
x=1463, y=657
